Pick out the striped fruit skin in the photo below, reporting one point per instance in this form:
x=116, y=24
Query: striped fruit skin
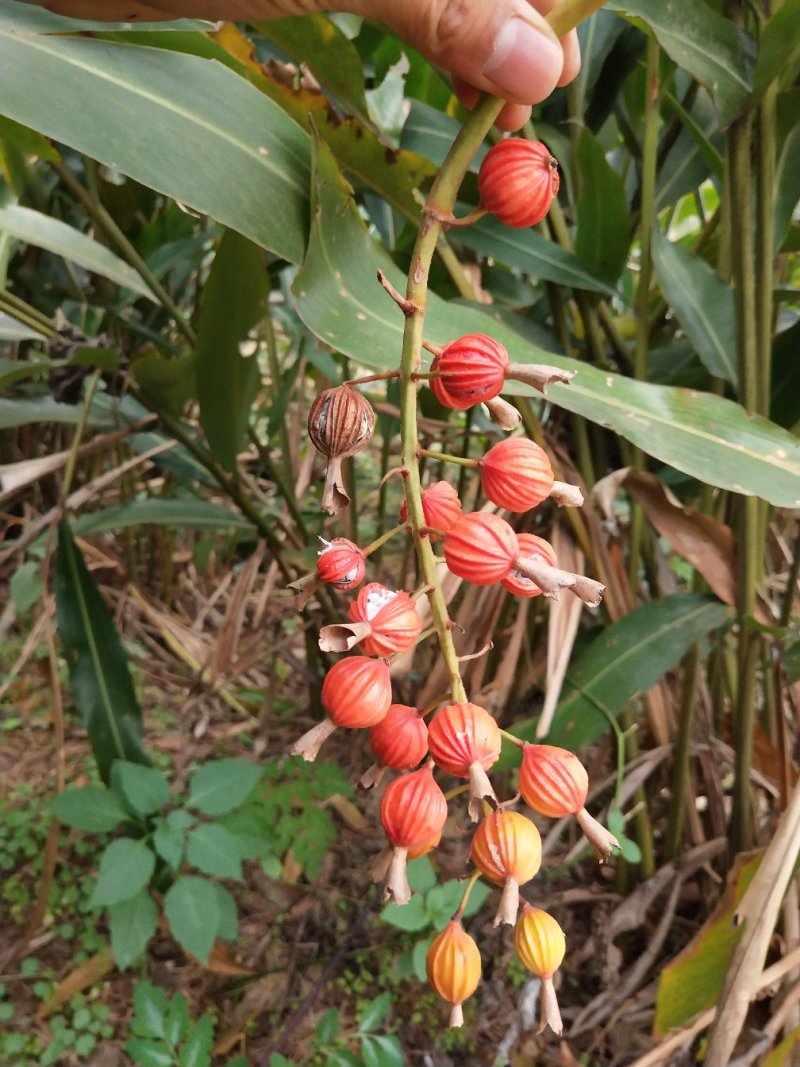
x=463, y=734
x=552, y=781
x=441, y=507
x=400, y=740
x=341, y=422
x=539, y=941
x=481, y=547
x=472, y=370
x=518, y=181
x=357, y=692
x=413, y=810
x=516, y=474
x=453, y=963
x=530, y=546
x=341, y=565
x=507, y=845
x=396, y=625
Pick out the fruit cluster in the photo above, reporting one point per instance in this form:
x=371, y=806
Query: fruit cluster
x=462, y=740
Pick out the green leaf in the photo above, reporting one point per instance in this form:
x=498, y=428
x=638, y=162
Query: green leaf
x=197, y=1050
x=145, y=788
x=702, y=302
x=126, y=867
x=228, y=916
x=12, y=329
x=169, y=841
x=703, y=435
x=213, y=850
x=91, y=808
x=176, y=1023
x=232, y=303
x=148, y=1053
x=778, y=47
x=35, y=228
x=604, y=228
x=169, y=383
x=694, y=980
x=192, y=910
x=711, y=48
x=381, y=1050
x=150, y=1009
x=98, y=668
x=628, y=657
x=222, y=785
x=328, y=1026
x=532, y=253
x=132, y=923
x=374, y=1013
x=191, y=129
x=410, y=917
x=430, y=132
x=787, y=184
x=26, y=585
x=333, y=60
x=184, y=514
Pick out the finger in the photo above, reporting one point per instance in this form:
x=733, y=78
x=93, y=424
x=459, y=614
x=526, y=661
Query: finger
x=513, y=116
x=505, y=48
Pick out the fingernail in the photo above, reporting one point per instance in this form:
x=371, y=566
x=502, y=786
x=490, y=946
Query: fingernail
x=524, y=64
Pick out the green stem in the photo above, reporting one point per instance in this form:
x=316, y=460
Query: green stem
x=97, y=211
x=749, y=511
x=682, y=753
x=447, y=457
x=384, y=537
x=648, y=221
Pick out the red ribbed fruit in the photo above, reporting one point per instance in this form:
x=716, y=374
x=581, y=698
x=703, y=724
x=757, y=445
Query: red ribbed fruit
x=413, y=809
x=471, y=371
x=400, y=740
x=357, y=692
x=552, y=781
x=516, y=474
x=507, y=849
x=440, y=506
x=341, y=564
x=393, y=616
x=530, y=547
x=463, y=734
x=453, y=966
x=481, y=548
x=518, y=181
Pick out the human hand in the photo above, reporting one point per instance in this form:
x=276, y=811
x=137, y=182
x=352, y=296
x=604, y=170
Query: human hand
x=503, y=47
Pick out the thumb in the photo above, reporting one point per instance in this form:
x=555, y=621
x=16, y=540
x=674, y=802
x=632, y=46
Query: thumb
x=504, y=47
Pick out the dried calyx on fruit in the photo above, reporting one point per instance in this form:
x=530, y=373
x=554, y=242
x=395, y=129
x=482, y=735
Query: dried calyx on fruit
x=530, y=547
x=535, y=565
x=507, y=849
x=518, y=181
x=356, y=693
x=341, y=422
x=554, y=782
x=384, y=621
x=413, y=814
x=441, y=507
x=516, y=474
x=473, y=369
x=465, y=741
x=453, y=966
x=541, y=945
x=400, y=741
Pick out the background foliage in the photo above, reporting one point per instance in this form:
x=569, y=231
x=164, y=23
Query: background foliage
x=190, y=228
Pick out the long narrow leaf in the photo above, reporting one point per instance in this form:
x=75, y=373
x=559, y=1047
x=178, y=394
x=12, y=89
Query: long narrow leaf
x=704, y=435
x=98, y=668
